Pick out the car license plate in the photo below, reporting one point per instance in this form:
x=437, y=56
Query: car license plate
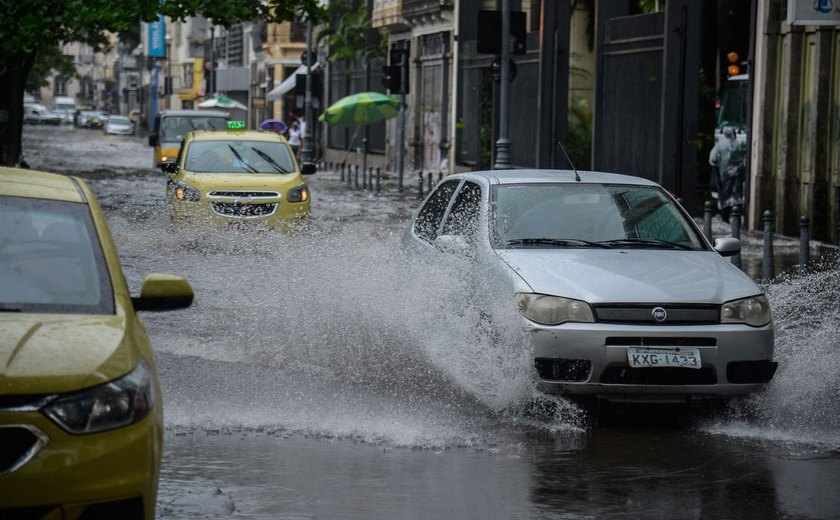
x=641, y=357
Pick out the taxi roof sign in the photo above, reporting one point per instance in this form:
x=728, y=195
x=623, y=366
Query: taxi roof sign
x=236, y=125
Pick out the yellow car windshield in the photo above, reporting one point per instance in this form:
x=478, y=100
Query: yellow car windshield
x=50, y=259
x=238, y=156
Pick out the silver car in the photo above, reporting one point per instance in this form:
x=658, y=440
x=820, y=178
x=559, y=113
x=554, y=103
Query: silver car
x=621, y=294
x=119, y=125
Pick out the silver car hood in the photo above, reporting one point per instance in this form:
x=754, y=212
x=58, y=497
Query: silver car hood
x=631, y=275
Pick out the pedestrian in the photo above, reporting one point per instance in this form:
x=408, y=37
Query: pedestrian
x=294, y=137
x=728, y=161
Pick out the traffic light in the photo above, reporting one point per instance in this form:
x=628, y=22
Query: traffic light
x=393, y=78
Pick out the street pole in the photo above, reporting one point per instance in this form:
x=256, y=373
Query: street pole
x=306, y=151
x=503, y=144
x=401, y=132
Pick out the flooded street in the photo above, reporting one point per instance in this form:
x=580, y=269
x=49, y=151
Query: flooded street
x=324, y=375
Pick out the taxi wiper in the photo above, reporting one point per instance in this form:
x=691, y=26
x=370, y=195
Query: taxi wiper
x=270, y=160
x=9, y=309
x=241, y=160
x=646, y=242
x=557, y=242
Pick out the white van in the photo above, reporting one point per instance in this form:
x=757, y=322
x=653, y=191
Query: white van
x=65, y=107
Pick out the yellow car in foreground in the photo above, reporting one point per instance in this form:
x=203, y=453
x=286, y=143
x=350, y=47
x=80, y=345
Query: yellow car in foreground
x=235, y=178
x=81, y=420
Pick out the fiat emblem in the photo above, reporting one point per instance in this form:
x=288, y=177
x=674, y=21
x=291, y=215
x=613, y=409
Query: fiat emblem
x=659, y=314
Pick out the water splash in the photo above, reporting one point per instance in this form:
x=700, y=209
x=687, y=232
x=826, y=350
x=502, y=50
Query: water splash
x=800, y=404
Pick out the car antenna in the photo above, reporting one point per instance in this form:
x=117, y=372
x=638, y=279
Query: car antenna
x=577, y=177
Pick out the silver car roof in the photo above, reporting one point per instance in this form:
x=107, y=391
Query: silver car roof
x=552, y=176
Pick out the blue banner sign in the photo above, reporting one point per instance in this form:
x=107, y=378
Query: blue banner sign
x=157, y=38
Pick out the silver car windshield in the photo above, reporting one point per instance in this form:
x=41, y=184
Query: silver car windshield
x=174, y=128
x=50, y=259
x=236, y=156
x=589, y=215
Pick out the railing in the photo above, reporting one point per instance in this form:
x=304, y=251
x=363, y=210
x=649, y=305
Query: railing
x=418, y=7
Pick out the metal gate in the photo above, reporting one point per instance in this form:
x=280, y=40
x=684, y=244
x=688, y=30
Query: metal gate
x=647, y=94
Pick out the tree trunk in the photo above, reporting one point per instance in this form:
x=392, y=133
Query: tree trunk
x=12, y=86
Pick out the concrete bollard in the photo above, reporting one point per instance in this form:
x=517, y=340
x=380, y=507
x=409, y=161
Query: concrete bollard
x=804, y=244
x=440, y=176
x=707, y=219
x=342, y=171
x=429, y=177
x=768, y=270
x=378, y=179
x=735, y=219
x=356, y=176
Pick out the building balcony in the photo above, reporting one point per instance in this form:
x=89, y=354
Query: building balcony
x=412, y=8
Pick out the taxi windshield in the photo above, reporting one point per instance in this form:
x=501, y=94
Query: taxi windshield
x=238, y=156
x=50, y=259
x=589, y=215
x=174, y=128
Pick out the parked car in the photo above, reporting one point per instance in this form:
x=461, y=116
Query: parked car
x=235, y=178
x=65, y=107
x=119, y=125
x=81, y=422
x=38, y=114
x=91, y=119
x=622, y=296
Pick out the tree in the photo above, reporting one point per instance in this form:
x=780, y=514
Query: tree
x=29, y=28
x=349, y=36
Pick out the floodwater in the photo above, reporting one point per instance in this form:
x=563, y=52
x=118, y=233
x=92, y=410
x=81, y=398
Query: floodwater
x=325, y=376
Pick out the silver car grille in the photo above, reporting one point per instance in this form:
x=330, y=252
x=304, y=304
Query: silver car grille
x=244, y=204
x=675, y=314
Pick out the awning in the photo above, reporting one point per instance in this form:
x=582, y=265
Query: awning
x=289, y=83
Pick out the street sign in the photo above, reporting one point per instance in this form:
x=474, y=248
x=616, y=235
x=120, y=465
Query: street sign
x=814, y=12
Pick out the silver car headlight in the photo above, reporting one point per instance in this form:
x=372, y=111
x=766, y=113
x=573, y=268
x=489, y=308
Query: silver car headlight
x=754, y=311
x=115, y=404
x=552, y=310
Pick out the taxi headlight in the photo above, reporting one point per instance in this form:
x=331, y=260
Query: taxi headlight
x=187, y=193
x=553, y=310
x=754, y=311
x=298, y=194
x=115, y=404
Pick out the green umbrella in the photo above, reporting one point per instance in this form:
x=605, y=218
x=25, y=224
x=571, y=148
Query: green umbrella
x=363, y=108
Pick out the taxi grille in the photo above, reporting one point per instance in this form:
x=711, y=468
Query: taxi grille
x=241, y=194
x=676, y=314
x=233, y=209
x=19, y=445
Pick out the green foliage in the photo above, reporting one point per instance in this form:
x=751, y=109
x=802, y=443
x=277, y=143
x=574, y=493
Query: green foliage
x=49, y=61
x=31, y=26
x=579, y=133
x=349, y=35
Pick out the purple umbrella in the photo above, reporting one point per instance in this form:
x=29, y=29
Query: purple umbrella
x=274, y=125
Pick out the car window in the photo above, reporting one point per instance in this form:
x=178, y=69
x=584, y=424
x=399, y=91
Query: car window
x=50, y=258
x=463, y=217
x=588, y=212
x=429, y=217
x=174, y=128
x=237, y=156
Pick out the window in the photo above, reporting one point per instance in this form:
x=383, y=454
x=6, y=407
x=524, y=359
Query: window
x=428, y=220
x=50, y=259
x=463, y=217
x=590, y=212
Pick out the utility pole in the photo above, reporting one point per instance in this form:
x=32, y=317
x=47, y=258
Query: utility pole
x=503, y=143
x=306, y=151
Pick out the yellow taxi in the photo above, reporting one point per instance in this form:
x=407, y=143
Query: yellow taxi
x=81, y=419
x=171, y=126
x=237, y=177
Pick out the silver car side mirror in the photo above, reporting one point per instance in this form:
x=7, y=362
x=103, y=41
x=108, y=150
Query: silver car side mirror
x=454, y=244
x=727, y=246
